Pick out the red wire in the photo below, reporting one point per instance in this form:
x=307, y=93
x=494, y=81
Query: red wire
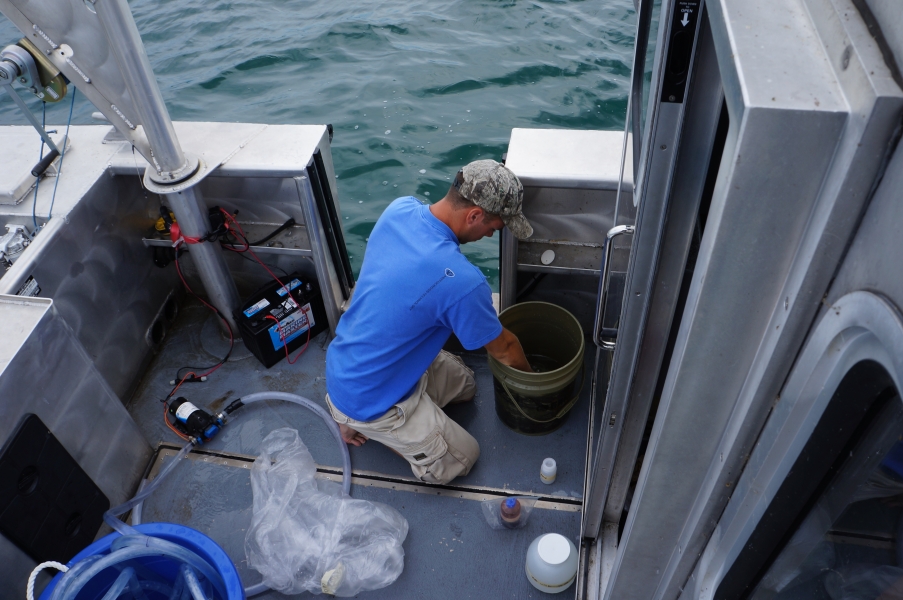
x=176, y=389
x=231, y=219
x=232, y=246
x=229, y=327
x=168, y=424
x=248, y=249
x=285, y=343
x=287, y=291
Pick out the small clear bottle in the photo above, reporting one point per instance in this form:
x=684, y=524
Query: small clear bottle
x=548, y=471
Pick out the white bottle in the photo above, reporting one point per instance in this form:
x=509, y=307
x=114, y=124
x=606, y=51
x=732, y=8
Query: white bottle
x=551, y=563
x=548, y=471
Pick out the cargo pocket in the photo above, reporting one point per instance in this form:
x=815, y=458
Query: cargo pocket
x=426, y=455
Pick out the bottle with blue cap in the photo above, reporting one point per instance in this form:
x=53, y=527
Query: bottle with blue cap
x=510, y=512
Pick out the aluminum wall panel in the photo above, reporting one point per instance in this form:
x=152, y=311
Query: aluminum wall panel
x=45, y=370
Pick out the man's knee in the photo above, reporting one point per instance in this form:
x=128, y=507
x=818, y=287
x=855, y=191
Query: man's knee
x=470, y=385
x=450, y=380
x=461, y=451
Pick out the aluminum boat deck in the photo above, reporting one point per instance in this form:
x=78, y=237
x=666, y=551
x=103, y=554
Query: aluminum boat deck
x=450, y=551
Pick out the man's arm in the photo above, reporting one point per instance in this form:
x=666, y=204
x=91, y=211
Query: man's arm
x=507, y=350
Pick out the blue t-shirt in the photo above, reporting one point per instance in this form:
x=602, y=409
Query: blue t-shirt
x=414, y=290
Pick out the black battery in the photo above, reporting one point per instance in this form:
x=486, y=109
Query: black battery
x=270, y=320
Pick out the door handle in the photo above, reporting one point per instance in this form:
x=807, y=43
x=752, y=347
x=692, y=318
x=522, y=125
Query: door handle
x=605, y=331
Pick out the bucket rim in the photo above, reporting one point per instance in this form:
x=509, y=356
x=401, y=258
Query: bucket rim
x=571, y=365
x=197, y=541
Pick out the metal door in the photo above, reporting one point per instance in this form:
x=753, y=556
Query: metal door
x=674, y=115
x=812, y=112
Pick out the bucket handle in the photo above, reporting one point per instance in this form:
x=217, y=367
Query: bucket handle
x=561, y=413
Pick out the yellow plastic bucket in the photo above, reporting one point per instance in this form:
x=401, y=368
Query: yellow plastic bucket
x=539, y=403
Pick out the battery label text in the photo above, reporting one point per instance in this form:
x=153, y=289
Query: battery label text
x=256, y=308
x=291, y=327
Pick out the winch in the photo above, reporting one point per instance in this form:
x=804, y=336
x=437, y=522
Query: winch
x=13, y=244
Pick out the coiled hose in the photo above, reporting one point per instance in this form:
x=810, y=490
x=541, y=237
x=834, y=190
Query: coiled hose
x=327, y=418
x=134, y=544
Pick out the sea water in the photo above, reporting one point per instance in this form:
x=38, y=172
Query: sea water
x=415, y=89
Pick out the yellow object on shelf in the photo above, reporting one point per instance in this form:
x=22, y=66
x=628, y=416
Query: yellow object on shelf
x=160, y=225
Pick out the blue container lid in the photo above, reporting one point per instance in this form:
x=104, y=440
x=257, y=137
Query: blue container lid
x=193, y=540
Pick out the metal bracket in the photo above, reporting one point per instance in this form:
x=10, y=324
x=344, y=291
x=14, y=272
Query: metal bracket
x=196, y=170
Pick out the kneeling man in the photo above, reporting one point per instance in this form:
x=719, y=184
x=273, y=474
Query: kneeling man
x=387, y=377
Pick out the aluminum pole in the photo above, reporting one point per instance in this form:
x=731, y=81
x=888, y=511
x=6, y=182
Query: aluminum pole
x=166, y=156
x=191, y=213
x=125, y=41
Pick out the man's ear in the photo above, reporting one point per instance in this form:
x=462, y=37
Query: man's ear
x=474, y=214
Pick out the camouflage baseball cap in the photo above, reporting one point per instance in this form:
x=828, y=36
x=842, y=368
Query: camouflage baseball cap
x=495, y=189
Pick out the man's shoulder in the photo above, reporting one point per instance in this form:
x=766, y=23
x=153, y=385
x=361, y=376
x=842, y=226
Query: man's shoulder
x=395, y=216
x=402, y=205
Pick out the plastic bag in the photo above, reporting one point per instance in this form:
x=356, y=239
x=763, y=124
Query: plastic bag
x=508, y=513
x=310, y=537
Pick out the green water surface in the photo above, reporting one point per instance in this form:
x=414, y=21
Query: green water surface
x=415, y=89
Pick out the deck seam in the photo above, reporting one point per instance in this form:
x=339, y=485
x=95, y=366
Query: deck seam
x=369, y=478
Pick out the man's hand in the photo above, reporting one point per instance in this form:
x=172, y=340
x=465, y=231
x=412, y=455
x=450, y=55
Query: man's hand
x=351, y=436
x=507, y=350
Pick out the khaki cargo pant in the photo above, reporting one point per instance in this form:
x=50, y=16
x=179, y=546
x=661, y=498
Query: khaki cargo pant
x=417, y=428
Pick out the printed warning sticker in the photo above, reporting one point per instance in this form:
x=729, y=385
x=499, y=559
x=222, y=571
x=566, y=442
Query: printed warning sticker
x=287, y=306
x=30, y=288
x=291, y=327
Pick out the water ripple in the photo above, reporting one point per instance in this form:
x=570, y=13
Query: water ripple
x=448, y=79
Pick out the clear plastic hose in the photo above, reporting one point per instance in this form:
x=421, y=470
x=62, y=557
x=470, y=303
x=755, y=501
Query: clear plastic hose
x=253, y=590
x=111, y=516
x=134, y=544
x=191, y=580
x=173, y=550
x=72, y=582
x=327, y=418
